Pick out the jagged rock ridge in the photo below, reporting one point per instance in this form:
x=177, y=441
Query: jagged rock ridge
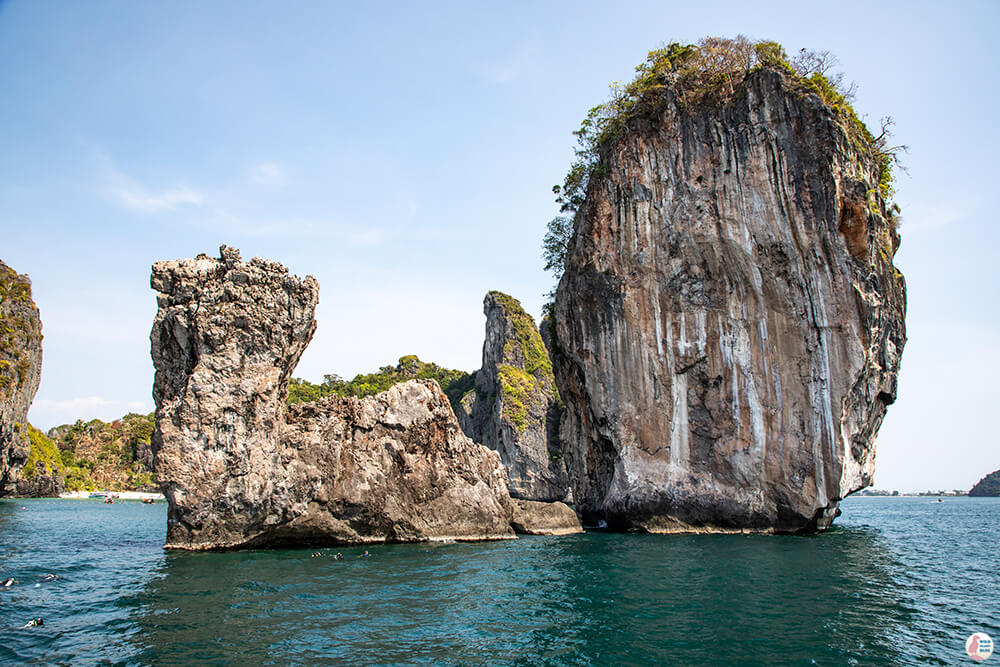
x=513, y=408
x=20, y=371
x=238, y=470
x=729, y=323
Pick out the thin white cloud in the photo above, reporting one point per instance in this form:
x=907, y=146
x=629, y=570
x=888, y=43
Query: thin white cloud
x=524, y=61
x=367, y=237
x=919, y=218
x=268, y=175
x=128, y=192
x=140, y=199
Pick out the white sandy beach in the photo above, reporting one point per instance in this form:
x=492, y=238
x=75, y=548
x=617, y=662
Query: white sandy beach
x=116, y=495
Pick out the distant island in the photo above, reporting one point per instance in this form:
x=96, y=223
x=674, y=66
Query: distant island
x=909, y=494
x=988, y=486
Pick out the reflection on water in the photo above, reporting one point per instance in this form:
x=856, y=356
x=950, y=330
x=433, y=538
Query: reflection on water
x=593, y=599
x=898, y=582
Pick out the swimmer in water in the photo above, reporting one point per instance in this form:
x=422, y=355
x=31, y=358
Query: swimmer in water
x=339, y=556
x=10, y=581
x=34, y=623
x=365, y=554
x=50, y=577
x=316, y=554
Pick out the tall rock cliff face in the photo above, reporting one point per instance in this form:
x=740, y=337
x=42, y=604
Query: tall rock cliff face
x=513, y=409
x=20, y=371
x=729, y=323
x=238, y=471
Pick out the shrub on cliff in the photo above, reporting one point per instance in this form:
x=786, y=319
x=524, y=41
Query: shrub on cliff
x=706, y=73
x=43, y=457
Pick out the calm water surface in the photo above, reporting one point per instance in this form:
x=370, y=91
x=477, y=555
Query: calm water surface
x=898, y=581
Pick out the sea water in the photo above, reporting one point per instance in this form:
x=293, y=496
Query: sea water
x=896, y=581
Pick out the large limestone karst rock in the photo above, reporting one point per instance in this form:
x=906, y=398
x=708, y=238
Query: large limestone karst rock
x=513, y=408
x=729, y=323
x=20, y=371
x=238, y=468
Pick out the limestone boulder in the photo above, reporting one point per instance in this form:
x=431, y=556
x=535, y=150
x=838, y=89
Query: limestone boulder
x=241, y=469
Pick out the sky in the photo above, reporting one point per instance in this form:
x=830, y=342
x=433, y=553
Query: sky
x=404, y=154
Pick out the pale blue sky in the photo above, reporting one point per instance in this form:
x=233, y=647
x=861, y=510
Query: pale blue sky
x=404, y=156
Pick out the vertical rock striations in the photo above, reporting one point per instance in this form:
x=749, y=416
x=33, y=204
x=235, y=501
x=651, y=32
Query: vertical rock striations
x=238, y=471
x=513, y=409
x=20, y=371
x=729, y=323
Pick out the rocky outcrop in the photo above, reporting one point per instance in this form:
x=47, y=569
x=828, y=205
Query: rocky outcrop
x=988, y=486
x=46, y=484
x=20, y=371
x=513, y=408
x=43, y=475
x=536, y=518
x=238, y=470
x=729, y=323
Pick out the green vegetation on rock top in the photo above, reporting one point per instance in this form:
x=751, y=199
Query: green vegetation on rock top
x=706, y=73
x=521, y=388
x=528, y=338
x=454, y=383
x=43, y=457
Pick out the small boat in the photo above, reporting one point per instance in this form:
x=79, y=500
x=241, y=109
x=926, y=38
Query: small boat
x=148, y=501
x=97, y=494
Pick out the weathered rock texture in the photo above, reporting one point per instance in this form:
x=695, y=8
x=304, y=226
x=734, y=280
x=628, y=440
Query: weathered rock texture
x=513, y=408
x=238, y=471
x=537, y=518
x=729, y=323
x=20, y=371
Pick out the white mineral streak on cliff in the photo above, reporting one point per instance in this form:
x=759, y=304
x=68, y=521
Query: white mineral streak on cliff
x=729, y=320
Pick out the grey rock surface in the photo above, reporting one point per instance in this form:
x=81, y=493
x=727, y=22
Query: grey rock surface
x=20, y=371
x=729, y=324
x=513, y=409
x=537, y=518
x=42, y=485
x=240, y=469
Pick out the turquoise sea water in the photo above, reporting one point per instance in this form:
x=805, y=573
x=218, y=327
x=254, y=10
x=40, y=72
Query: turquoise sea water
x=897, y=581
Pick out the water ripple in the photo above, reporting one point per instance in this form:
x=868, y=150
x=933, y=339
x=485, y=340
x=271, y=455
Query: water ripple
x=898, y=581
